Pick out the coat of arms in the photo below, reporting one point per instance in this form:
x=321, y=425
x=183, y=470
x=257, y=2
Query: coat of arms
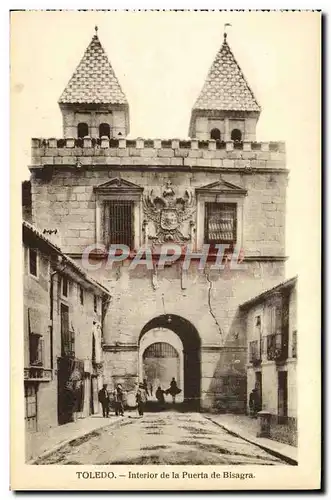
x=168, y=212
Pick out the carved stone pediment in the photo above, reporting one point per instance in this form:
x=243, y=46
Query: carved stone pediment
x=222, y=187
x=118, y=185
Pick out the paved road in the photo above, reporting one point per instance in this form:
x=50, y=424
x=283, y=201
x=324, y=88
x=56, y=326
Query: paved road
x=161, y=438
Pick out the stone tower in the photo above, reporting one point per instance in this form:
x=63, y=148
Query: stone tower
x=93, y=103
x=226, y=108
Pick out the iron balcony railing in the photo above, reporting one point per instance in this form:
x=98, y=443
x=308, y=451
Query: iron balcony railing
x=255, y=352
x=277, y=347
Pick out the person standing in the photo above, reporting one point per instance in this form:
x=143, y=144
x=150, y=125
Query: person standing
x=254, y=403
x=145, y=386
x=118, y=400
x=173, y=390
x=160, y=397
x=104, y=400
x=141, y=398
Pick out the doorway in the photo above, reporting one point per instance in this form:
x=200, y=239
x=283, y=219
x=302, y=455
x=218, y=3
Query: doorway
x=185, y=340
x=258, y=386
x=282, y=397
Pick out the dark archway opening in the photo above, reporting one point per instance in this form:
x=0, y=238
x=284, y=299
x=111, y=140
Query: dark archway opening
x=215, y=134
x=82, y=130
x=190, y=338
x=236, y=135
x=104, y=130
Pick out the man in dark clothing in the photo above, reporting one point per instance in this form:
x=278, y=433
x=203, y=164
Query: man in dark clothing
x=141, y=398
x=254, y=405
x=104, y=400
x=145, y=386
x=160, y=397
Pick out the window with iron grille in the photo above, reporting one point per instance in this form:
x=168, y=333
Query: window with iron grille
x=67, y=336
x=33, y=269
x=118, y=227
x=36, y=349
x=160, y=350
x=221, y=223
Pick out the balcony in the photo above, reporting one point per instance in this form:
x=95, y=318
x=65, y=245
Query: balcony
x=37, y=374
x=277, y=347
x=255, y=352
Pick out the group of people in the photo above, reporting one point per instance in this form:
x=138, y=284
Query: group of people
x=173, y=391
x=105, y=398
x=117, y=397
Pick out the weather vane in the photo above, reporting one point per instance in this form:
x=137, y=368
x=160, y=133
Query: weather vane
x=96, y=29
x=225, y=26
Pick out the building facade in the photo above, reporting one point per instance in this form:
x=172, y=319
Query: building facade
x=271, y=325
x=63, y=315
x=220, y=187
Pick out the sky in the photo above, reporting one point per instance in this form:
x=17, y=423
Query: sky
x=161, y=60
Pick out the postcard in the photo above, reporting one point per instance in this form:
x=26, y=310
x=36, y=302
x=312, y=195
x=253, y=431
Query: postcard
x=166, y=208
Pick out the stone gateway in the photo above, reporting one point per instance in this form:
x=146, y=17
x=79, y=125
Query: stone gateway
x=98, y=186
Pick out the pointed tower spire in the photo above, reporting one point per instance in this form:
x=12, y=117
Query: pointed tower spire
x=93, y=88
x=225, y=96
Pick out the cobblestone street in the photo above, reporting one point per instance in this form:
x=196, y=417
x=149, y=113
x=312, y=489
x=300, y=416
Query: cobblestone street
x=165, y=438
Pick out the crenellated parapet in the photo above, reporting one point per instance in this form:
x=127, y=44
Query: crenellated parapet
x=157, y=153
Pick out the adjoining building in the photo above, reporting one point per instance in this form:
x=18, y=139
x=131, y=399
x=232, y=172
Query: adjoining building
x=63, y=316
x=271, y=326
x=97, y=187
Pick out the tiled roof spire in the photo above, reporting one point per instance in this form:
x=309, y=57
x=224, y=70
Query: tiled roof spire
x=94, y=80
x=226, y=88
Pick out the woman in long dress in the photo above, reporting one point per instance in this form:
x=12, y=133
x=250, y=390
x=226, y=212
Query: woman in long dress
x=173, y=390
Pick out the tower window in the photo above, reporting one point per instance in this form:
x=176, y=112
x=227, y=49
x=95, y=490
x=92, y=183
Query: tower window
x=104, y=130
x=236, y=135
x=215, y=134
x=82, y=130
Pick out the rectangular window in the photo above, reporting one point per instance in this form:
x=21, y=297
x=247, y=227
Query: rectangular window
x=67, y=336
x=119, y=222
x=64, y=286
x=220, y=223
x=95, y=303
x=81, y=295
x=36, y=349
x=33, y=262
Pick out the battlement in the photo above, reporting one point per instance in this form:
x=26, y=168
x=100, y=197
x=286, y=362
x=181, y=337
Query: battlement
x=157, y=152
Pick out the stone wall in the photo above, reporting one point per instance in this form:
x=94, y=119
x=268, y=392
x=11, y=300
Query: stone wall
x=209, y=300
x=64, y=175
x=66, y=199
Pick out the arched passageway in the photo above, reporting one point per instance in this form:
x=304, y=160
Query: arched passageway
x=183, y=337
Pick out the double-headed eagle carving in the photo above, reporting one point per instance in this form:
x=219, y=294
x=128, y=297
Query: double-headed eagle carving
x=168, y=213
